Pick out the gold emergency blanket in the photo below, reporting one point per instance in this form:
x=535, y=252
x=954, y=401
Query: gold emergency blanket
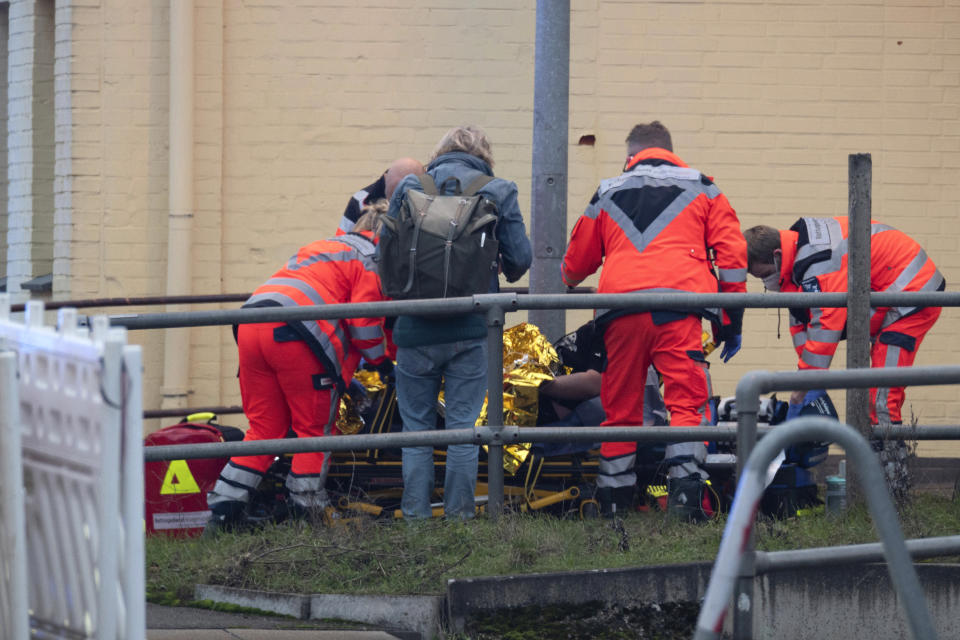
x=528, y=360
x=349, y=420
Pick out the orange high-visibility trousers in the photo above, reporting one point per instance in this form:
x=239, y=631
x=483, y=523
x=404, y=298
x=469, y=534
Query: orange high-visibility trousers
x=896, y=346
x=633, y=343
x=278, y=385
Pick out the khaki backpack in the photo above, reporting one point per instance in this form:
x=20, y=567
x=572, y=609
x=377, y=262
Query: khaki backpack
x=440, y=246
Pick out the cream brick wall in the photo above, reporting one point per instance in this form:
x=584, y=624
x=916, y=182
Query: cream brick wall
x=300, y=104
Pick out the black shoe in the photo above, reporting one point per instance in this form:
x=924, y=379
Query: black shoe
x=614, y=501
x=228, y=517
x=685, y=499
x=219, y=524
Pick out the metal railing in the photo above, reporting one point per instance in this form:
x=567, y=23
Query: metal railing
x=734, y=561
x=495, y=306
x=755, y=383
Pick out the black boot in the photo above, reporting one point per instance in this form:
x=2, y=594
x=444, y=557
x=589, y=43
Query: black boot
x=614, y=501
x=225, y=517
x=685, y=498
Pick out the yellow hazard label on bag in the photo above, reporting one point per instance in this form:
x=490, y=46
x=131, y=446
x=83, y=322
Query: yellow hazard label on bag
x=178, y=480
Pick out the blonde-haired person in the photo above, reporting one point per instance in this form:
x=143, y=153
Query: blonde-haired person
x=371, y=217
x=452, y=349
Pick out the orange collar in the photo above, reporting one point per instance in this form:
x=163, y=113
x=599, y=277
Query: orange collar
x=788, y=248
x=653, y=152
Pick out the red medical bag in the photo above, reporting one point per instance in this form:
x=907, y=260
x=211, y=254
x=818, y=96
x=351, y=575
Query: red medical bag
x=176, y=490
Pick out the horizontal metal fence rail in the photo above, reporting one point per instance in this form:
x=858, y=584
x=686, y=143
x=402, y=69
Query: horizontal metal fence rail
x=920, y=548
x=734, y=560
x=513, y=302
x=479, y=435
x=214, y=298
x=489, y=435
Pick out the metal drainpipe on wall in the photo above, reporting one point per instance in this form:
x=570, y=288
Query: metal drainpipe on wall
x=176, y=348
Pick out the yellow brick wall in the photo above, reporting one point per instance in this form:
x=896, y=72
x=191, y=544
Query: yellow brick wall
x=298, y=106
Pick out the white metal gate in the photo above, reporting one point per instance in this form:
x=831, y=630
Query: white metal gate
x=71, y=550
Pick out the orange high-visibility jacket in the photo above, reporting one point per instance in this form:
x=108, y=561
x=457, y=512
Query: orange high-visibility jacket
x=660, y=226
x=815, y=259
x=334, y=271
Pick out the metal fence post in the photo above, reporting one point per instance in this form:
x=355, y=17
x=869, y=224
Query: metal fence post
x=495, y=316
x=551, y=98
x=13, y=536
x=858, y=285
x=747, y=406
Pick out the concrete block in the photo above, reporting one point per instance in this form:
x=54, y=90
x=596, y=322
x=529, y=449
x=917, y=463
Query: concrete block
x=421, y=614
x=668, y=583
x=288, y=604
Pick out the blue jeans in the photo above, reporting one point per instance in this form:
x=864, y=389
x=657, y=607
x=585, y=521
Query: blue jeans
x=463, y=368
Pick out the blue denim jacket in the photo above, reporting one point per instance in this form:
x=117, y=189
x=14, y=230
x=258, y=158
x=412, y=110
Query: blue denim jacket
x=515, y=252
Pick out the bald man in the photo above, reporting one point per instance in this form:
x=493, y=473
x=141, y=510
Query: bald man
x=382, y=188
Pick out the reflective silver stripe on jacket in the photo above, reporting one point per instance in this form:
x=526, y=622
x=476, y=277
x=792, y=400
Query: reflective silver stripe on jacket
x=822, y=233
x=799, y=339
x=838, y=249
x=817, y=360
x=293, y=283
x=895, y=313
x=650, y=176
x=732, y=275
x=361, y=245
x=310, y=325
x=906, y=276
x=660, y=175
x=824, y=335
x=293, y=264
x=370, y=332
x=372, y=353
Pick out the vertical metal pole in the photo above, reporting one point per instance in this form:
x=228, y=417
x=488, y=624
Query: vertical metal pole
x=134, y=580
x=495, y=316
x=551, y=98
x=13, y=556
x=109, y=485
x=860, y=175
x=748, y=405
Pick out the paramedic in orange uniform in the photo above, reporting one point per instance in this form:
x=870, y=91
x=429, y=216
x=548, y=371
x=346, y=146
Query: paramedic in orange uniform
x=292, y=374
x=660, y=227
x=811, y=256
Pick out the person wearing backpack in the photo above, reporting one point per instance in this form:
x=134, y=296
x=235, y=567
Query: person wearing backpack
x=486, y=235
x=292, y=374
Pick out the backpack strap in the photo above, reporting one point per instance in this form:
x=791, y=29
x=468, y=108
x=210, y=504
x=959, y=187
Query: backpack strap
x=476, y=184
x=428, y=185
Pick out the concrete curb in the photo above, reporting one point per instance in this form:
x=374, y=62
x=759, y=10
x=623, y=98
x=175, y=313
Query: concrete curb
x=286, y=604
x=421, y=614
x=407, y=616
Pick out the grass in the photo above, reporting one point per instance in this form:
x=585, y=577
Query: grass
x=366, y=556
